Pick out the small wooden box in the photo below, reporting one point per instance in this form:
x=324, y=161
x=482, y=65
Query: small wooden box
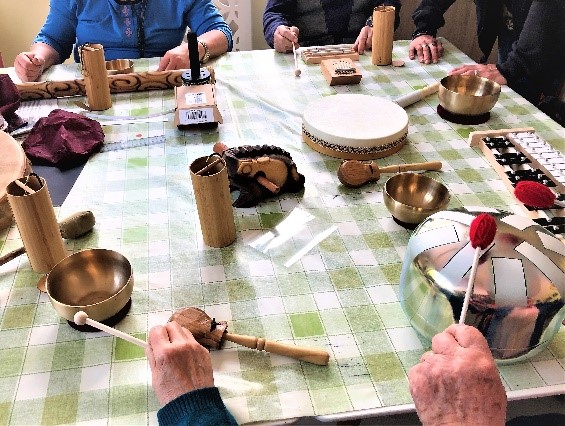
x=340, y=71
x=196, y=105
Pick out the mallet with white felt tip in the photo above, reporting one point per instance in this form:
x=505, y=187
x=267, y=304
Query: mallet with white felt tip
x=81, y=318
x=296, y=68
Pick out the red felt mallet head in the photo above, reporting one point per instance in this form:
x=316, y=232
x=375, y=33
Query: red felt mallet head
x=534, y=194
x=482, y=231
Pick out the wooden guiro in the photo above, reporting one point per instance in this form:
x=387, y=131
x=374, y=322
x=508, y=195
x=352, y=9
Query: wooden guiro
x=354, y=173
x=211, y=333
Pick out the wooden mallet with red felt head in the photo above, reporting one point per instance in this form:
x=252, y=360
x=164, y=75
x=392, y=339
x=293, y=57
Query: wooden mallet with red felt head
x=481, y=234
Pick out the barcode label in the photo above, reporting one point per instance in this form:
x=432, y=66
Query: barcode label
x=195, y=98
x=196, y=116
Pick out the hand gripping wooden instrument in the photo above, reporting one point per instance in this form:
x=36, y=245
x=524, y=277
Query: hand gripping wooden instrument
x=211, y=333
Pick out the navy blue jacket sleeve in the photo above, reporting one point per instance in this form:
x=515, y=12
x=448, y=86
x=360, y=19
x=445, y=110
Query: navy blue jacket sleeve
x=201, y=407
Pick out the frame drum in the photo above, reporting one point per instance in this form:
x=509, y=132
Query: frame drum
x=354, y=126
x=13, y=165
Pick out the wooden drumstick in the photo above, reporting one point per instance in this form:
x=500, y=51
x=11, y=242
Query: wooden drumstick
x=417, y=95
x=81, y=318
x=211, y=333
x=354, y=173
x=296, y=68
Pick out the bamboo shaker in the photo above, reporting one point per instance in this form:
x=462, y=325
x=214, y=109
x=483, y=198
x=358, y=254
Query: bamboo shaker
x=95, y=77
x=383, y=32
x=35, y=217
x=213, y=201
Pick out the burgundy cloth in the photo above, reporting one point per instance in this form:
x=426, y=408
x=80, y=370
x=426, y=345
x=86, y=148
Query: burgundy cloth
x=64, y=139
x=9, y=103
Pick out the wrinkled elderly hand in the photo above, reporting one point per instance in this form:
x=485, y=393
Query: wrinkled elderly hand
x=457, y=382
x=364, y=40
x=284, y=37
x=29, y=66
x=487, y=71
x=175, y=59
x=179, y=364
x=427, y=48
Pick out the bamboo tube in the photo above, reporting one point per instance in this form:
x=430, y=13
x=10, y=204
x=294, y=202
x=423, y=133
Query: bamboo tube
x=213, y=201
x=95, y=77
x=383, y=32
x=36, y=221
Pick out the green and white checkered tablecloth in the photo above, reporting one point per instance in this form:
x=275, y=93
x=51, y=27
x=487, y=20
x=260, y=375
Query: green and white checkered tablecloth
x=341, y=296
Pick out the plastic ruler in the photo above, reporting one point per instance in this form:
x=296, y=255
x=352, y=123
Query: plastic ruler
x=134, y=143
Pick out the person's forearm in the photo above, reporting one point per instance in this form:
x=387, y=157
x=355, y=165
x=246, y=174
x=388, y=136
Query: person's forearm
x=531, y=56
x=216, y=41
x=277, y=12
x=428, y=16
x=50, y=55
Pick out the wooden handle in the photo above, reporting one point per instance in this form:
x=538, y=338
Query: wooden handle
x=417, y=95
x=12, y=255
x=314, y=356
x=116, y=333
x=399, y=168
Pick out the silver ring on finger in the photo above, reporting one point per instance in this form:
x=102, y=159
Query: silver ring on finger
x=424, y=46
x=476, y=72
x=433, y=43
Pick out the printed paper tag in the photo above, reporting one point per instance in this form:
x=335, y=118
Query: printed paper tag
x=195, y=98
x=196, y=116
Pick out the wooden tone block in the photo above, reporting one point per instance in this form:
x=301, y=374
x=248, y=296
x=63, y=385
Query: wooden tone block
x=340, y=71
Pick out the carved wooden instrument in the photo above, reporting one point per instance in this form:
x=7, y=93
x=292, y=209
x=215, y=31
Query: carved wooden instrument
x=354, y=173
x=133, y=82
x=211, y=333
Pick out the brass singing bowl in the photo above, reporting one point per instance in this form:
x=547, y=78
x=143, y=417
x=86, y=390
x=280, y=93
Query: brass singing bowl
x=468, y=94
x=412, y=197
x=96, y=281
x=119, y=66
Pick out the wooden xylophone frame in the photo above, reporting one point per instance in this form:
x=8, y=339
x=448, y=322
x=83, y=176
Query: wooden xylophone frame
x=120, y=83
x=543, y=217
x=316, y=54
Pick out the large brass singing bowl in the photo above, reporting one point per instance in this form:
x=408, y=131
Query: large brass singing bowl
x=468, y=94
x=518, y=297
x=96, y=281
x=412, y=197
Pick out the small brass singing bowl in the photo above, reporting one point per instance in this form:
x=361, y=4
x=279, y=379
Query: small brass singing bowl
x=468, y=94
x=96, y=281
x=119, y=66
x=412, y=197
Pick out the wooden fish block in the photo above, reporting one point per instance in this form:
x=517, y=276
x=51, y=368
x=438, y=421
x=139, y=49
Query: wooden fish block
x=316, y=54
x=340, y=71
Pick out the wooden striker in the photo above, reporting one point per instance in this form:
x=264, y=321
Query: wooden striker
x=383, y=32
x=213, y=201
x=36, y=221
x=95, y=77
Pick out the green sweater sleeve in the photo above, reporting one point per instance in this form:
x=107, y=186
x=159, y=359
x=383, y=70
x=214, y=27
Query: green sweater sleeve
x=201, y=407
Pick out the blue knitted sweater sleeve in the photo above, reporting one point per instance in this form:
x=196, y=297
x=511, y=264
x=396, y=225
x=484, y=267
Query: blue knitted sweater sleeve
x=201, y=407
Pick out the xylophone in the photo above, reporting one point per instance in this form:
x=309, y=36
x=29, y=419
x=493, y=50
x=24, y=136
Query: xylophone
x=316, y=54
x=520, y=154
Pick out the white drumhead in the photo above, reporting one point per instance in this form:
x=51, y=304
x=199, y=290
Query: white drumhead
x=355, y=123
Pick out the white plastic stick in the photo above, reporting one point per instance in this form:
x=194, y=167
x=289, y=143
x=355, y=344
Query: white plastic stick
x=81, y=318
x=470, y=285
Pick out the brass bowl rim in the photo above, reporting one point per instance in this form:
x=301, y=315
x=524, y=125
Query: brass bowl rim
x=497, y=87
x=421, y=177
x=116, y=66
x=122, y=288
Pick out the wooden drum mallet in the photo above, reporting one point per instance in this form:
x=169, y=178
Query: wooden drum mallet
x=353, y=173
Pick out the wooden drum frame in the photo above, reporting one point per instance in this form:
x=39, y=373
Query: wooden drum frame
x=354, y=126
